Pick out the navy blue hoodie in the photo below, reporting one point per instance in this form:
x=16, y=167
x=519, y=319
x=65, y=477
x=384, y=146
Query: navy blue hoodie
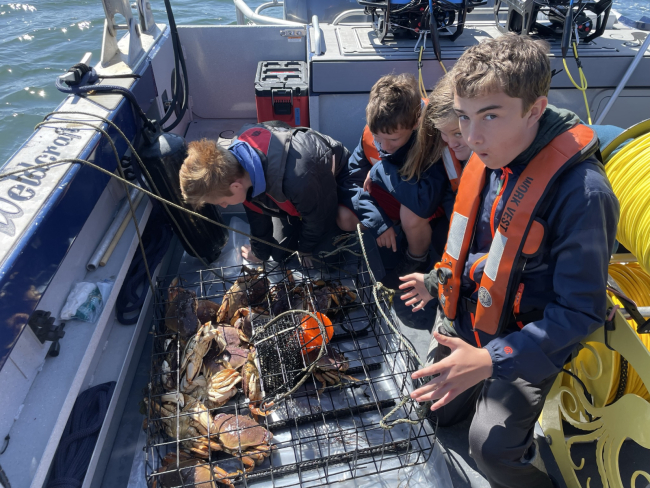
x=566, y=281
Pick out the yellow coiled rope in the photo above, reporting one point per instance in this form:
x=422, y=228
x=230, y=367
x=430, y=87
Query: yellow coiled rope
x=629, y=173
x=635, y=283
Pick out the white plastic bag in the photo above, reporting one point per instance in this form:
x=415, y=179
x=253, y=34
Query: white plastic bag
x=86, y=301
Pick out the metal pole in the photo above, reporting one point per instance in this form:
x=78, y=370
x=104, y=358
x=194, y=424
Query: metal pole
x=241, y=20
x=625, y=79
x=110, y=233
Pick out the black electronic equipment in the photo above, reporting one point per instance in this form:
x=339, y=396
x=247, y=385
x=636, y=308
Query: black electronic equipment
x=410, y=18
x=583, y=19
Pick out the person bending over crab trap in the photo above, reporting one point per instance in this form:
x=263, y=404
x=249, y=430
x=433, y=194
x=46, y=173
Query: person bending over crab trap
x=284, y=176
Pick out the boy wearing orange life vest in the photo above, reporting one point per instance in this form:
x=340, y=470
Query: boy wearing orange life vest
x=523, y=277
x=382, y=186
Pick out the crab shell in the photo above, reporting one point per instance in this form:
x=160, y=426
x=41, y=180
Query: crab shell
x=207, y=311
x=251, y=380
x=236, y=356
x=197, y=347
x=294, y=299
x=181, y=310
x=332, y=360
x=189, y=471
x=213, y=362
x=223, y=386
x=242, y=322
x=241, y=432
x=247, y=290
x=231, y=334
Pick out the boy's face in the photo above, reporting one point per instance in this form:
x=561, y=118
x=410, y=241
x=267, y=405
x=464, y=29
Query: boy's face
x=390, y=143
x=495, y=129
x=238, y=196
x=452, y=136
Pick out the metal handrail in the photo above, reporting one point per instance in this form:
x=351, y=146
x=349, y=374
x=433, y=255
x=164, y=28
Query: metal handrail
x=348, y=13
x=244, y=10
x=318, y=36
x=266, y=5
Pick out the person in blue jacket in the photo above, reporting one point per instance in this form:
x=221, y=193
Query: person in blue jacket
x=384, y=185
x=524, y=274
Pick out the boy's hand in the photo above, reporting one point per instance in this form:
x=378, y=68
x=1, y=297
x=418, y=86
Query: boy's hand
x=462, y=369
x=248, y=254
x=366, y=183
x=418, y=292
x=306, y=260
x=388, y=239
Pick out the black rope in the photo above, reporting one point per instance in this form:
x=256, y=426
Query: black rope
x=156, y=239
x=125, y=92
x=79, y=437
x=4, y=481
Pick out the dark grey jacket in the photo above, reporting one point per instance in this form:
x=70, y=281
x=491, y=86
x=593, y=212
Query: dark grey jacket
x=309, y=184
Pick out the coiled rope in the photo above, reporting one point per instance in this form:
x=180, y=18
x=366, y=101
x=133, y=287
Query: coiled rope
x=634, y=283
x=80, y=436
x=629, y=173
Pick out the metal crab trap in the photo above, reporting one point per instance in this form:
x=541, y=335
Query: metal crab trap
x=283, y=378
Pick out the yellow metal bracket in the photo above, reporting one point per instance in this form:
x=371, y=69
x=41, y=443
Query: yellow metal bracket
x=605, y=426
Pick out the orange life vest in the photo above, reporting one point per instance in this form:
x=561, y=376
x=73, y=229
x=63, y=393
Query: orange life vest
x=519, y=236
x=369, y=149
x=452, y=167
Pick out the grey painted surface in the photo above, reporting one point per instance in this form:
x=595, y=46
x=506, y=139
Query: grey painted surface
x=343, y=117
x=353, y=58
x=222, y=62
x=302, y=10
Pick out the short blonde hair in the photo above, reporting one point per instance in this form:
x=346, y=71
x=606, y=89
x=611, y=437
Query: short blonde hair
x=394, y=104
x=208, y=169
x=512, y=64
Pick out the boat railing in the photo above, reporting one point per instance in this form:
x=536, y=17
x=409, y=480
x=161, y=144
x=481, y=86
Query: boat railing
x=318, y=37
x=355, y=12
x=245, y=12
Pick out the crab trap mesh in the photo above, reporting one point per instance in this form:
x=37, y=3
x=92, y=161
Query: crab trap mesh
x=278, y=377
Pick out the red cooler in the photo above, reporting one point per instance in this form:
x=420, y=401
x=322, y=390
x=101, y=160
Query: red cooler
x=282, y=92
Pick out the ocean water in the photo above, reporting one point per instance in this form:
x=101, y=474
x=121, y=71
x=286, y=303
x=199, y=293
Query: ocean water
x=42, y=39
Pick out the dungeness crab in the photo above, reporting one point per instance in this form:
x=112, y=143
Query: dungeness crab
x=248, y=290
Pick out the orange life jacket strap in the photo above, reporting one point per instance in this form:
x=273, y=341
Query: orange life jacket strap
x=461, y=228
x=518, y=234
x=515, y=307
x=369, y=148
x=505, y=259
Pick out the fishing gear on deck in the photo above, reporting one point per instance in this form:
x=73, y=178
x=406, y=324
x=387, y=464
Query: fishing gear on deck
x=553, y=18
x=408, y=18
